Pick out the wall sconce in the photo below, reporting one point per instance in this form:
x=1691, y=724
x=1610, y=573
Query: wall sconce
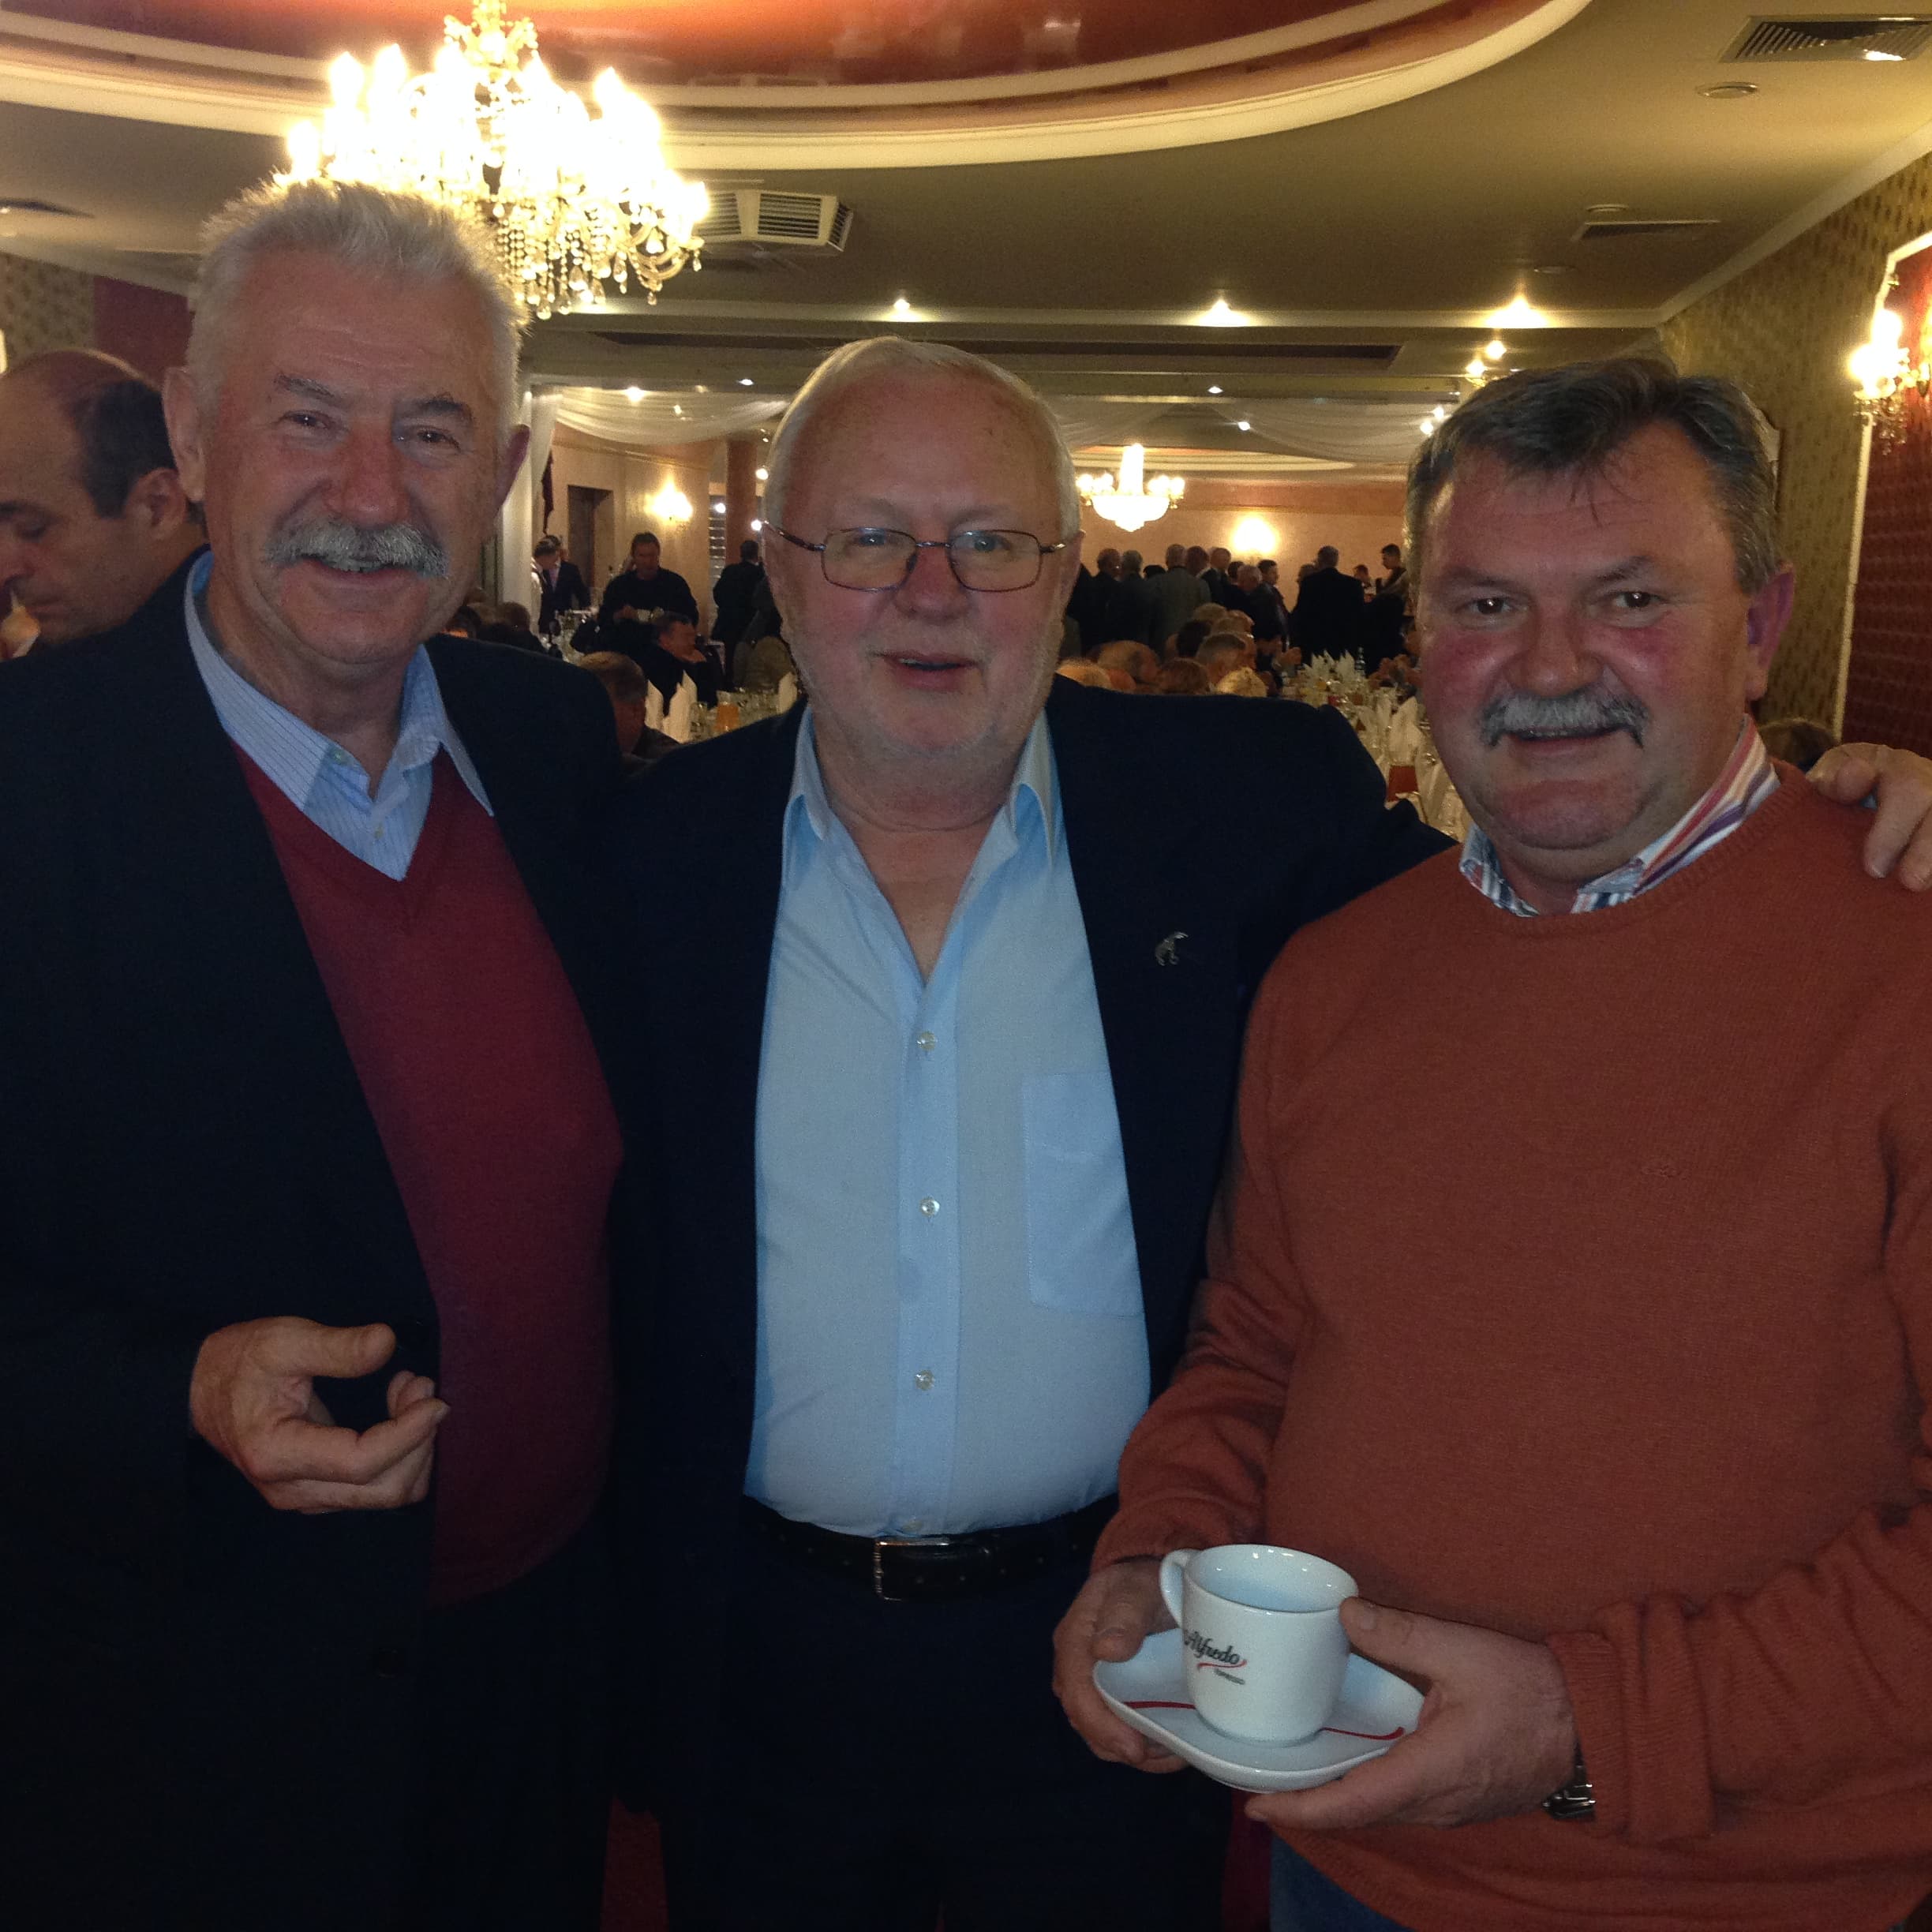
x=1885, y=378
x=670, y=505
x=1252, y=535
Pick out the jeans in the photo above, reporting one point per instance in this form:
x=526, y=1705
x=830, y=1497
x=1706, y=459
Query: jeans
x=1300, y=1899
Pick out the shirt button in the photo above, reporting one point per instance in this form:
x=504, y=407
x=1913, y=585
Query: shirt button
x=378, y=831
x=929, y=1207
x=924, y=1380
x=924, y=1041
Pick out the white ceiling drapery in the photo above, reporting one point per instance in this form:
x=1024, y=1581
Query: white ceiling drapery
x=658, y=418
x=1351, y=431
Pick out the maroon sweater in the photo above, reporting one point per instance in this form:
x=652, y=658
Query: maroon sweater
x=492, y=1109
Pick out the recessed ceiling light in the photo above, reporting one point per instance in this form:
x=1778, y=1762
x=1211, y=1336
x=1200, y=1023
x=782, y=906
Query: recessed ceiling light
x=1730, y=90
x=1214, y=388
x=1879, y=53
x=1244, y=423
x=762, y=474
x=1605, y=211
x=634, y=394
x=902, y=307
x=718, y=506
x=744, y=382
x=758, y=523
x=1219, y=315
x=702, y=390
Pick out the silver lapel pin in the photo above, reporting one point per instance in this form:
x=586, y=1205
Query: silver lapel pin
x=1168, y=951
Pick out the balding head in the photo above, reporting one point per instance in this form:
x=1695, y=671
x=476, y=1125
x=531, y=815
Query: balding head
x=92, y=516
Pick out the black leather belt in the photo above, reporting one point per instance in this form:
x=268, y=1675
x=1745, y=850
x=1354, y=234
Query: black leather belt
x=938, y=1568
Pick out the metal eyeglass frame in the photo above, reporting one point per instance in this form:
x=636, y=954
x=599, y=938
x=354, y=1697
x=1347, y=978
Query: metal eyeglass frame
x=929, y=543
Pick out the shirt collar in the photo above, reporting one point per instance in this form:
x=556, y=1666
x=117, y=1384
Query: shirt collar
x=808, y=808
x=251, y=718
x=1747, y=780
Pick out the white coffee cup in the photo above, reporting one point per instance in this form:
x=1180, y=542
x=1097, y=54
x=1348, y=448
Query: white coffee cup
x=1261, y=1632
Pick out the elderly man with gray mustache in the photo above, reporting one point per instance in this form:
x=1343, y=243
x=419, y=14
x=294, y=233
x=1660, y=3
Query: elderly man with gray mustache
x=314, y=1176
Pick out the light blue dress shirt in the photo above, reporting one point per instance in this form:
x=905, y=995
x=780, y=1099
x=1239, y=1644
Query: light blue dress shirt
x=950, y=1330
x=319, y=779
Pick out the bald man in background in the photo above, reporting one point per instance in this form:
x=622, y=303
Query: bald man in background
x=93, y=519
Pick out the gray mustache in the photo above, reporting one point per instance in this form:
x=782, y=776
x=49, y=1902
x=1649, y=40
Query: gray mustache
x=342, y=546
x=1575, y=715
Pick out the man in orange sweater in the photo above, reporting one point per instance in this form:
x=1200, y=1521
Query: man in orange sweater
x=1616, y=1412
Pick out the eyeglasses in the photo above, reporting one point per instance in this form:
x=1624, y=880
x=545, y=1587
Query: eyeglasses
x=882, y=560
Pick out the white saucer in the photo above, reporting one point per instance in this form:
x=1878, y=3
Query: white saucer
x=1150, y=1692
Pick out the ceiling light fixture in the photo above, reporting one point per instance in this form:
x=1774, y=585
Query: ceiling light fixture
x=1214, y=388
x=1244, y=425
x=762, y=475
x=745, y=382
x=1134, y=498
x=572, y=201
x=1520, y=313
x=902, y=307
x=1729, y=90
x=634, y=394
x=718, y=506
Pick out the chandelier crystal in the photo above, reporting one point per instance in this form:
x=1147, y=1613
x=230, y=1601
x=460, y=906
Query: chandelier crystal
x=1886, y=379
x=572, y=200
x=1135, y=499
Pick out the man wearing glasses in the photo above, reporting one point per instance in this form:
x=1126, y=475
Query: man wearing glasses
x=931, y=1196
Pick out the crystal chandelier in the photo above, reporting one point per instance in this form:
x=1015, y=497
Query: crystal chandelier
x=1135, y=499
x=1887, y=378
x=573, y=201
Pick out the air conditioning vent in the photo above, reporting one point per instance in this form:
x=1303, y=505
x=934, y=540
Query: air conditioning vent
x=1639, y=224
x=1834, y=37
x=790, y=221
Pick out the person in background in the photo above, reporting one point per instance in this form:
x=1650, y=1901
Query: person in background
x=1384, y=622
x=1182, y=677
x=1174, y=595
x=1188, y=639
x=93, y=519
x=1707, y=1700
x=1141, y=663
x=1361, y=576
x=305, y=1429
x=674, y=651
x=1083, y=671
x=1328, y=609
x=1267, y=607
x=1218, y=576
x=735, y=596
x=643, y=586
x=627, y=689
x=511, y=625
x=561, y=585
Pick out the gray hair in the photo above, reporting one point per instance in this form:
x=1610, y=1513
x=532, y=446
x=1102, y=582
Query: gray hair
x=361, y=228
x=894, y=355
x=1574, y=420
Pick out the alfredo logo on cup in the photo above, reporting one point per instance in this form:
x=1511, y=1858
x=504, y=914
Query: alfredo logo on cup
x=1263, y=1625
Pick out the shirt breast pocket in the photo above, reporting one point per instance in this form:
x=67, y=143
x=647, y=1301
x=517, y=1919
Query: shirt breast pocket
x=1080, y=1257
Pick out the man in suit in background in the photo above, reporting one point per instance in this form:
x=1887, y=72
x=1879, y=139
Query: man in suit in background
x=1174, y=596
x=1328, y=609
x=735, y=596
x=314, y=959
x=564, y=586
x=93, y=519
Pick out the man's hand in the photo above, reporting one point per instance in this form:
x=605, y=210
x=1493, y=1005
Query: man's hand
x=1496, y=1734
x=626, y=613
x=252, y=1399
x=1118, y=1607
x=1901, y=832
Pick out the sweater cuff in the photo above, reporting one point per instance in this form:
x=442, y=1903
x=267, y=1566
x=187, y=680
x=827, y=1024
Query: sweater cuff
x=1639, y=1721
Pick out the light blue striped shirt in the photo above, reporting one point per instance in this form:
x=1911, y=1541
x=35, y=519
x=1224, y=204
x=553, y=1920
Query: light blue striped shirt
x=950, y=1330
x=321, y=780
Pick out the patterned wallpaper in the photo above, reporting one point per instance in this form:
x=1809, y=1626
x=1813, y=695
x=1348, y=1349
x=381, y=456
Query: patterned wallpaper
x=1783, y=330
x=43, y=307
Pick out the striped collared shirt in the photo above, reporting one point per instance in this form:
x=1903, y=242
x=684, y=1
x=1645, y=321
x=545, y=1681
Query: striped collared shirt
x=318, y=778
x=1747, y=780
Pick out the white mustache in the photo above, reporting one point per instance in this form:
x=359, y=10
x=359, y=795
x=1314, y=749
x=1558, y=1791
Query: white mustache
x=341, y=545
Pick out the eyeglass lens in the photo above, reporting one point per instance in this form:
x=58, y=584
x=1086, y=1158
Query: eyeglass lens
x=877, y=559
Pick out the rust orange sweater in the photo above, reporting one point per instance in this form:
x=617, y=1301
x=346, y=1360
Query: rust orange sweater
x=1627, y=1352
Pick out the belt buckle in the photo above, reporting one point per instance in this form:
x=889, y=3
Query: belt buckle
x=881, y=1544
